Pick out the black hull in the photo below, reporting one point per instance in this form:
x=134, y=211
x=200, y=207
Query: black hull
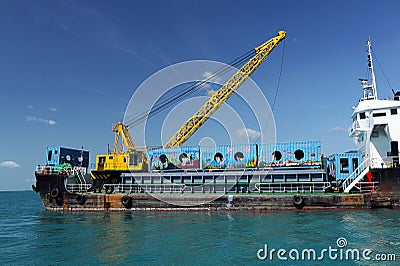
x=47, y=185
x=55, y=197
x=388, y=193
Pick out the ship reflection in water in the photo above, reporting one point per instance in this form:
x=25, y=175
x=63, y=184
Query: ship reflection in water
x=204, y=237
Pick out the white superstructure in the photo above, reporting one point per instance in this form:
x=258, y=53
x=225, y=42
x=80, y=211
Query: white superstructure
x=376, y=123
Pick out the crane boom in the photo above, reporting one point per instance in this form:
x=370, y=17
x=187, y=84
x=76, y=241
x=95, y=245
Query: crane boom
x=224, y=93
x=122, y=130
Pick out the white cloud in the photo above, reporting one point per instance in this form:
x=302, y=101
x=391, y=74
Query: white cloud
x=53, y=109
x=208, y=74
x=9, y=164
x=38, y=119
x=30, y=106
x=251, y=133
x=338, y=129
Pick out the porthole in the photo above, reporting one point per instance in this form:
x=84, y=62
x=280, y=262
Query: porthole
x=299, y=154
x=277, y=155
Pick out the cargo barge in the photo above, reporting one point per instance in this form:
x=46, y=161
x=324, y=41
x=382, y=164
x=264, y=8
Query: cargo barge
x=251, y=189
x=256, y=177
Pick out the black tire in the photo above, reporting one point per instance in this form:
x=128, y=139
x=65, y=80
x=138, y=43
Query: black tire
x=81, y=199
x=298, y=202
x=54, y=192
x=60, y=201
x=126, y=201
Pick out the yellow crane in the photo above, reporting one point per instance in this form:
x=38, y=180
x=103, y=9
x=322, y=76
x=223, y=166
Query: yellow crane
x=125, y=158
x=134, y=159
x=224, y=93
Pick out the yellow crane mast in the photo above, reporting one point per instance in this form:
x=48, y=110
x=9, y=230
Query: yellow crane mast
x=122, y=131
x=224, y=93
x=134, y=159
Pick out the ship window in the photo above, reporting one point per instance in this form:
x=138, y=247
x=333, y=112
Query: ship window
x=393, y=111
x=134, y=160
x=374, y=134
x=49, y=155
x=110, y=157
x=362, y=115
x=379, y=114
x=344, y=165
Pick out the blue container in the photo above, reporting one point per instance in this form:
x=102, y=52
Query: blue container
x=341, y=165
x=60, y=155
x=290, y=154
x=187, y=157
x=229, y=156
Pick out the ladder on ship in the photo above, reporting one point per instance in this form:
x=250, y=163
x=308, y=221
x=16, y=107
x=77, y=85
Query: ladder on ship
x=351, y=181
x=80, y=184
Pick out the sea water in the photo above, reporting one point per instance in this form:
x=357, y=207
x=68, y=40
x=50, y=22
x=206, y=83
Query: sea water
x=29, y=235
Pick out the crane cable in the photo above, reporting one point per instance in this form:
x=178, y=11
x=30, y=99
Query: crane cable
x=187, y=91
x=376, y=58
x=276, y=91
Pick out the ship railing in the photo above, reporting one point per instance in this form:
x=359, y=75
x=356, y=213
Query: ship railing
x=141, y=188
x=75, y=188
x=384, y=162
x=45, y=169
x=352, y=130
x=356, y=176
x=49, y=169
x=292, y=187
x=260, y=187
x=364, y=187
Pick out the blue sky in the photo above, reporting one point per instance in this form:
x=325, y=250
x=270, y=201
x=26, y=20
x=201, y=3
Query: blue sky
x=69, y=68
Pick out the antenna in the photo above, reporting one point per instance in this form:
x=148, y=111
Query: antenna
x=369, y=88
x=371, y=67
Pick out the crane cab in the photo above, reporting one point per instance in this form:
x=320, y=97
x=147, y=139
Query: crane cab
x=128, y=161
